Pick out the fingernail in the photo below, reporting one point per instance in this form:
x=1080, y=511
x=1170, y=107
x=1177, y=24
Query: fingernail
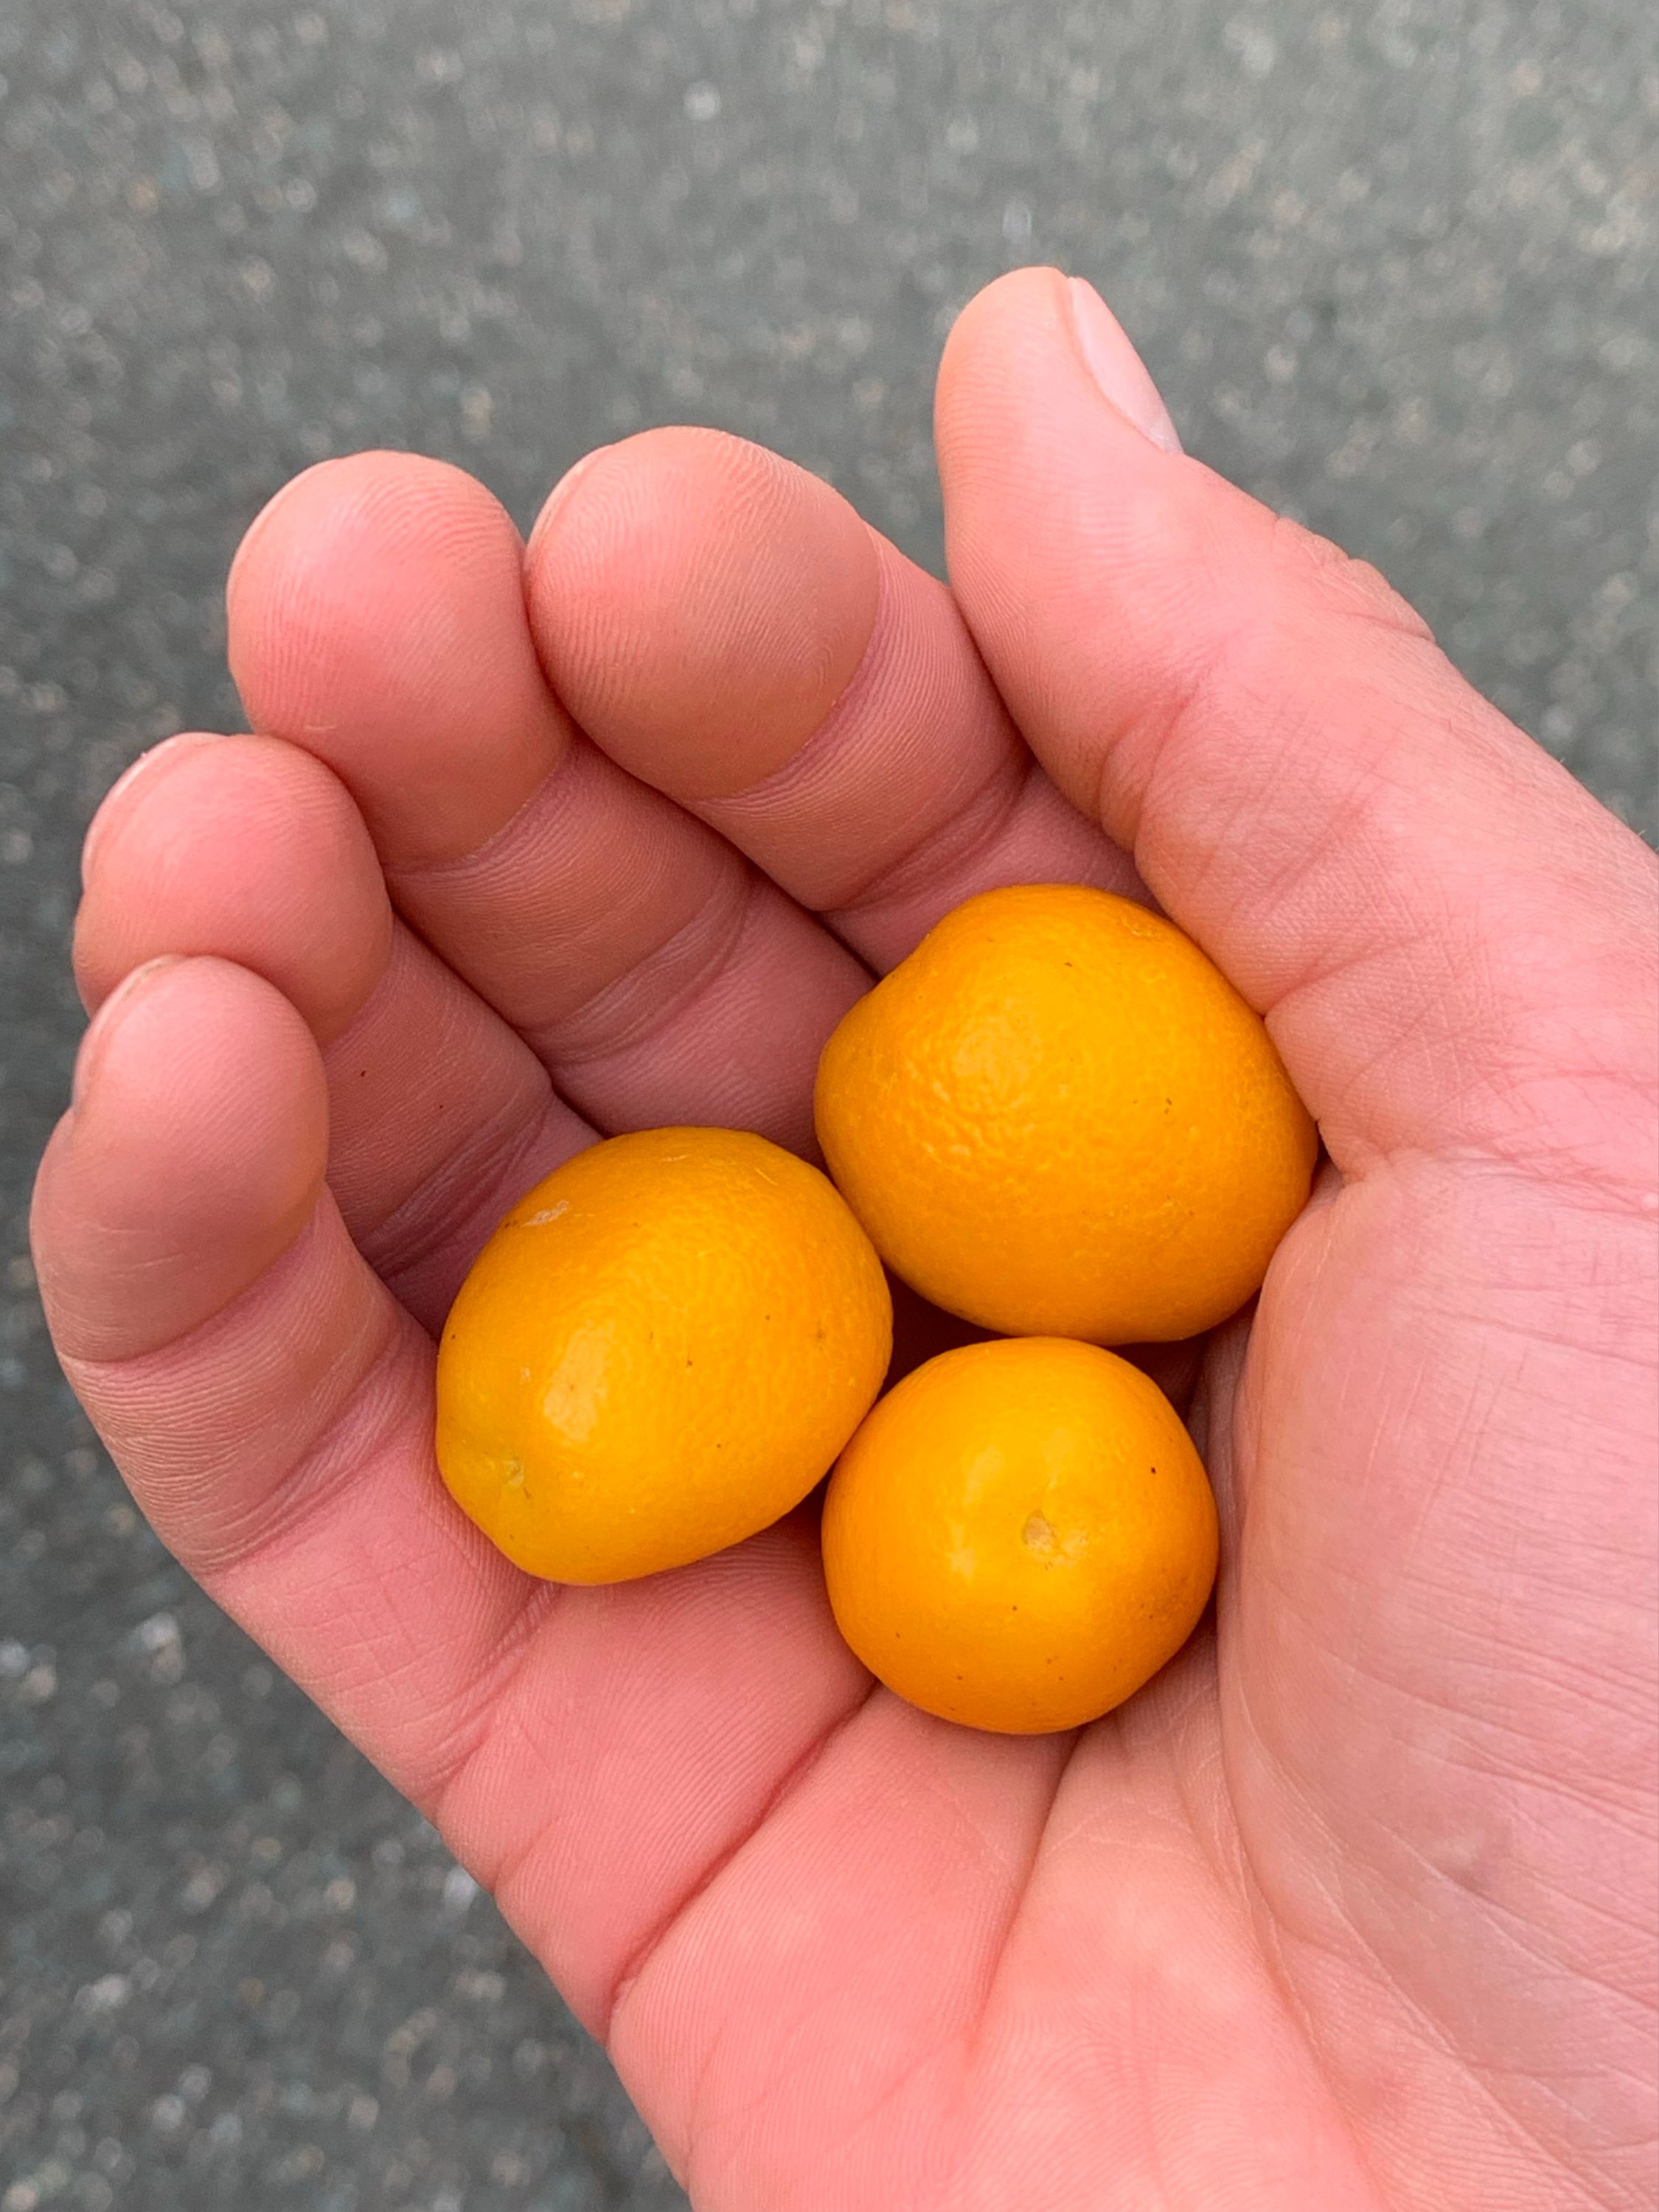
x=1117, y=368
x=98, y=828
x=562, y=491
x=102, y=1024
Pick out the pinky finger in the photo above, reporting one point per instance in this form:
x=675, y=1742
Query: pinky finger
x=267, y=1399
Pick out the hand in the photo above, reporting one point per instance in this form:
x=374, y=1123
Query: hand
x=1353, y=1907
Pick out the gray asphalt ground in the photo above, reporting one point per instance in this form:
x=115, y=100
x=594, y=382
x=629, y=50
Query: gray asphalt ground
x=1394, y=266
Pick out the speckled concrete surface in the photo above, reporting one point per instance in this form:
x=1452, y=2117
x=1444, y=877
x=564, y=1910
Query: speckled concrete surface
x=1393, y=265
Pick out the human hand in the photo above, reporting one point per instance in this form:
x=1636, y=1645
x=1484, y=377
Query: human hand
x=1351, y=1907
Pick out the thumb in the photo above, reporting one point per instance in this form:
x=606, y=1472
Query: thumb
x=1450, y=938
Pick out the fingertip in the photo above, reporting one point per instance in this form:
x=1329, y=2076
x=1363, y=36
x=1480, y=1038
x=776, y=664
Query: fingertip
x=150, y=765
x=192, y=1155
x=1023, y=300
x=559, y=495
x=1036, y=368
x=244, y=847
x=700, y=604
x=377, y=483
x=1016, y=292
x=375, y=617
x=105, y=1024
x=1071, y=351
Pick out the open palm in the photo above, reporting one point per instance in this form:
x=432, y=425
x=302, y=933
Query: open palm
x=1353, y=1906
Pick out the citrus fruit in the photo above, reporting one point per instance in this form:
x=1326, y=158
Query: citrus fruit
x=658, y=1351
x=1019, y=1535
x=1057, y=1117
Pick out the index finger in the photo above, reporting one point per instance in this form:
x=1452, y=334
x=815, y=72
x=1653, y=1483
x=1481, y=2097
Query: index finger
x=726, y=627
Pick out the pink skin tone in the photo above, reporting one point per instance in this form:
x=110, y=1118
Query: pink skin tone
x=1352, y=1908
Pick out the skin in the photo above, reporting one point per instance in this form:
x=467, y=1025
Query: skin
x=1353, y=1906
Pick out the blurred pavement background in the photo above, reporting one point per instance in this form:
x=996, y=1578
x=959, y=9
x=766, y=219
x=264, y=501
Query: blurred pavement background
x=1395, y=267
